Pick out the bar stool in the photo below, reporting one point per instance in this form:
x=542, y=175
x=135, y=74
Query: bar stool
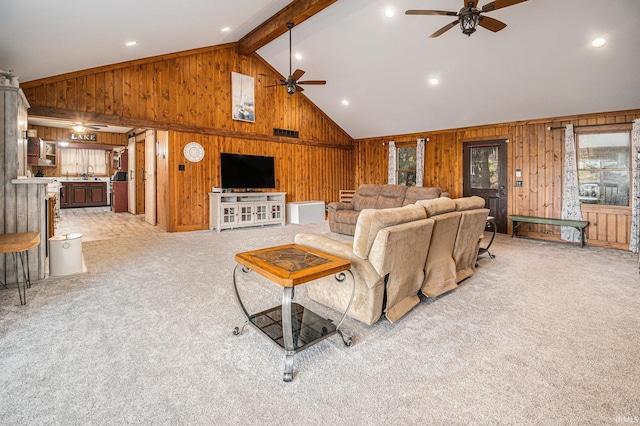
x=18, y=244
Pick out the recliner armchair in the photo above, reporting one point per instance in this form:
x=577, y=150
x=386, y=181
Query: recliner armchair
x=384, y=261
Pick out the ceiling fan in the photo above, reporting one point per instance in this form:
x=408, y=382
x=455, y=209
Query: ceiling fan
x=80, y=127
x=291, y=82
x=470, y=16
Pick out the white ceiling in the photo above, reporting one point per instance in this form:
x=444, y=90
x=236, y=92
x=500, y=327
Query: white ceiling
x=541, y=65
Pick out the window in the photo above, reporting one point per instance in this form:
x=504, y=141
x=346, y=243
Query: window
x=76, y=161
x=406, y=170
x=604, y=168
x=484, y=167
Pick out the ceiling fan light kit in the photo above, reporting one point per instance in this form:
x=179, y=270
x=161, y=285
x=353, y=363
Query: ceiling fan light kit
x=469, y=17
x=469, y=20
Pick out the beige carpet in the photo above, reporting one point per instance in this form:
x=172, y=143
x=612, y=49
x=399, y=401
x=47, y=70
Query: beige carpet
x=545, y=333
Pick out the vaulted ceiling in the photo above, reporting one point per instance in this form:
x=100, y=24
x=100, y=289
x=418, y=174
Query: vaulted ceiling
x=541, y=65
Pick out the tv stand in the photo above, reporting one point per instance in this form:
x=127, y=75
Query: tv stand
x=242, y=209
x=243, y=191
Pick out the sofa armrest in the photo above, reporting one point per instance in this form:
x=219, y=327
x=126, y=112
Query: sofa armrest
x=338, y=205
x=360, y=267
x=445, y=194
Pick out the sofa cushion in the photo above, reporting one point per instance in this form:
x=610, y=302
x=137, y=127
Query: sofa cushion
x=416, y=193
x=469, y=203
x=390, y=196
x=437, y=206
x=346, y=216
x=366, y=197
x=370, y=221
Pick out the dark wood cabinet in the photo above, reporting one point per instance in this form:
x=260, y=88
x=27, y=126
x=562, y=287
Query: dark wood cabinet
x=35, y=147
x=64, y=198
x=119, y=197
x=83, y=194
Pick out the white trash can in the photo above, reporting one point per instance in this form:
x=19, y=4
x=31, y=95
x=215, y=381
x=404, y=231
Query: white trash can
x=65, y=255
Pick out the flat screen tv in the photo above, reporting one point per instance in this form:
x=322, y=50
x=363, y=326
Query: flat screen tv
x=247, y=172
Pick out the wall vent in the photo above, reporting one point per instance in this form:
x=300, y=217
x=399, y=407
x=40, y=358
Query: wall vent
x=285, y=133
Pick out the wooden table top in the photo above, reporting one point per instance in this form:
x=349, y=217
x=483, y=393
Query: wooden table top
x=21, y=241
x=292, y=264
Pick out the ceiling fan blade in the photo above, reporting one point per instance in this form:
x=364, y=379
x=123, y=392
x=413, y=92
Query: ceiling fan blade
x=430, y=12
x=491, y=24
x=499, y=4
x=297, y=74
x=299, y=89
x=270, y=76
x=312, y=82
x=444, y=29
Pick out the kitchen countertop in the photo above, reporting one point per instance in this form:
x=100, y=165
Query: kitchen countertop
x=79, y=179
x=38, y=180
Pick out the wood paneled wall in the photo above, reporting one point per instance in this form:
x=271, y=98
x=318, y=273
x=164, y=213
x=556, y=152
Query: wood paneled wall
x=532, y=148
x=304, y=172
x=189, y=94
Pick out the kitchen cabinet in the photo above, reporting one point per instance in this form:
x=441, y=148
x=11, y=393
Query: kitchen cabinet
x=64, y=198
x=41, y=153
x=119, y=196
x=83, y=193
x=51, y=153
x=35, y=148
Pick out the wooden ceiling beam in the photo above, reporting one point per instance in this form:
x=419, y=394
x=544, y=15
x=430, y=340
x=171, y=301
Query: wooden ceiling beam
x=178, y=127
x=297, y=12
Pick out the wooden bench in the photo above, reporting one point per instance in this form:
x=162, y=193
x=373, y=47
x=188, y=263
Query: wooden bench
x=580, y=225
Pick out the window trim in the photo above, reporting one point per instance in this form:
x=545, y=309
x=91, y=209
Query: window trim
x=606, y=129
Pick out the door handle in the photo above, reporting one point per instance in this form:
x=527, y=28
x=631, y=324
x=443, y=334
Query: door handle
x=142, y=174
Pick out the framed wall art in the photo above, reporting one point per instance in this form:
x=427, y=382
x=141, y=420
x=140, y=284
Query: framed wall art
x=242, y=97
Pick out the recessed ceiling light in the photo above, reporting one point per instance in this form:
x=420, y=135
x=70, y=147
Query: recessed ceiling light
x=298, y=56
x=131, y=43
x=598, y=42
x=389, y=13
x=434, y=81
x=345, y=102
x=225, y=29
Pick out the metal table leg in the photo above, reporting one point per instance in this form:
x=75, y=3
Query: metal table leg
x=348, y=341
x=287, y=333
x=482, y=250
x=238, y=330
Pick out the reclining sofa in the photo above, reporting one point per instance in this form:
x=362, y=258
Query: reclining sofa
x=428, y=247
x=343, y=216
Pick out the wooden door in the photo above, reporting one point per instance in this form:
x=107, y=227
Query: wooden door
x=132, y=179
x=140, y=166
x=150, y=177
x=485, y=175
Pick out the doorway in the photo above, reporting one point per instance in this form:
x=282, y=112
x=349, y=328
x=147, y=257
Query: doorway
x=485, y=175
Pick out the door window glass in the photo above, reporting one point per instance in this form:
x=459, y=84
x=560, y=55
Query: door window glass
x=484, y=167
x=604, y=168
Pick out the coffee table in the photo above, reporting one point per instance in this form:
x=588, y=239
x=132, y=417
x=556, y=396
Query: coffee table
x=291, y=326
